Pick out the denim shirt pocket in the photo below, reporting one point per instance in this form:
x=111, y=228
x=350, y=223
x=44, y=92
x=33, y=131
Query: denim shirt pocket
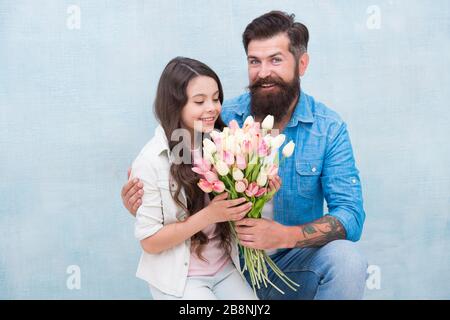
x=308, y=177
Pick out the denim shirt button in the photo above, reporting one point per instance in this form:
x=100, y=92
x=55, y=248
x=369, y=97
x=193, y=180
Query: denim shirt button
x=353, y=180
x=314, y=169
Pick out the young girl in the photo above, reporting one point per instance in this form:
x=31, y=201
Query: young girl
x=188, y=251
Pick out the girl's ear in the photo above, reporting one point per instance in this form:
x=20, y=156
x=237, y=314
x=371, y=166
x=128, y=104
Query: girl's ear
x=303, y=64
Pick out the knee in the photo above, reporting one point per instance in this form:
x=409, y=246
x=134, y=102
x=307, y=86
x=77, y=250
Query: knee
x=345, y=258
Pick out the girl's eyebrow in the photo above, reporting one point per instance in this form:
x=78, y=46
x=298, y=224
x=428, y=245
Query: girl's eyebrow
x=204, y=95
x=200, y=94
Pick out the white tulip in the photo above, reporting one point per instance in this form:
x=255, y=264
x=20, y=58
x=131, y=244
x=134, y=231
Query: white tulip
x=237, y=174
x=262, y=179
x=288, y=149
x=209, y=146
x=248, y=121
x=231, y=144
x=239, y=136
x=278, y=141
x=208, y=156
x=226, y=131
x=267, y=122
x=222, y=168
x=238, y=149
x=214, y=134
x=268, y=139
x=269, y=159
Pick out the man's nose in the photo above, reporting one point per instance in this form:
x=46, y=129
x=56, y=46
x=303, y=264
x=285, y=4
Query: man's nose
x=264, y=71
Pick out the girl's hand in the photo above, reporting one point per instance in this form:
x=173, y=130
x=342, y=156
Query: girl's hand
x=274, y=185
x=221, y=210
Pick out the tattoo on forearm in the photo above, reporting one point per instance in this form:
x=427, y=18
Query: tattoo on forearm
x=320, y=232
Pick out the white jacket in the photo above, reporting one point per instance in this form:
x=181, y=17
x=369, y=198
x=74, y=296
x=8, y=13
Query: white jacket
x=167, y=271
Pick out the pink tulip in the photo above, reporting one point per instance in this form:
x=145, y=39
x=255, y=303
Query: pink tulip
x=261, y=192
x=241, y=185
x=256, y=140
x=218, y=186
x=272, y=171
x=263, y=148
x=228, y=157
x=252, y=189
x=255, y=128
x=233, y=125
x=196, y=157
x=211, y=176
x=202, y=166
x=240, y=162
x=246, y=146
x=218, y=142
x=206, y=186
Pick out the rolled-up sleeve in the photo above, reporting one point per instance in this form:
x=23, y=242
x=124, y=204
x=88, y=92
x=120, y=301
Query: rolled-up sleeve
x=149, y=216
x=341, y=183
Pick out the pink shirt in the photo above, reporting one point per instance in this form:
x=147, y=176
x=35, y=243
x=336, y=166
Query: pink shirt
x=216, y=257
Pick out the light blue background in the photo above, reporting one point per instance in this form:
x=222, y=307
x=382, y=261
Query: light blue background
x=76, y=108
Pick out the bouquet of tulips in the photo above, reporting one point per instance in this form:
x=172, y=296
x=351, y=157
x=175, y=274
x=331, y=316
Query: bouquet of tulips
x=241, y=161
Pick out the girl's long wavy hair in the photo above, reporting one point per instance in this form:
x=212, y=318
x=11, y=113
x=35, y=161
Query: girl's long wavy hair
x=171, y=97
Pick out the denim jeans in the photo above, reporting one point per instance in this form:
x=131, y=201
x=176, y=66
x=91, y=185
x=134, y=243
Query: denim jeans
x=333, y=272
x=227, y=284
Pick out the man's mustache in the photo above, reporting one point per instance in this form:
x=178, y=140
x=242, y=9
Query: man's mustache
x=269, y=80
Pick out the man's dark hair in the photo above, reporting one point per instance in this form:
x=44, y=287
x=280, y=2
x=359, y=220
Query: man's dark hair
x=274, y=23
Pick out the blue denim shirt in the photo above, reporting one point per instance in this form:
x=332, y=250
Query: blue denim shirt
x=322, y=167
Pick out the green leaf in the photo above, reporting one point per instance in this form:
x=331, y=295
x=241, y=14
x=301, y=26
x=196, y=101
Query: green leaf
x=255, y=172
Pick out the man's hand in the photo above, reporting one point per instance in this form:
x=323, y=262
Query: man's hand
x=132, y=192
x=261, y=234
x=274, y=185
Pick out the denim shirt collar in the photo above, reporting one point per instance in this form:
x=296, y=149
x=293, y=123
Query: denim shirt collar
x=302, y=112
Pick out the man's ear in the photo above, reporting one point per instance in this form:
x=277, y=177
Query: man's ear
x=303, y=64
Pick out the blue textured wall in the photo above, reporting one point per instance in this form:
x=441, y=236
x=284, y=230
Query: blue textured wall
x=75, y=102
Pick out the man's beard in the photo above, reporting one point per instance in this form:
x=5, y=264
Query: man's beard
x=276, y=102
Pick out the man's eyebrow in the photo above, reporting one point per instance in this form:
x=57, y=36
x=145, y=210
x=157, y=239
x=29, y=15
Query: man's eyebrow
x=275, y=54
x=271, y=56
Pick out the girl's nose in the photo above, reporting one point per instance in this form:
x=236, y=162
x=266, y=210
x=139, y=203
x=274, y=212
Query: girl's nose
x=210, y=106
